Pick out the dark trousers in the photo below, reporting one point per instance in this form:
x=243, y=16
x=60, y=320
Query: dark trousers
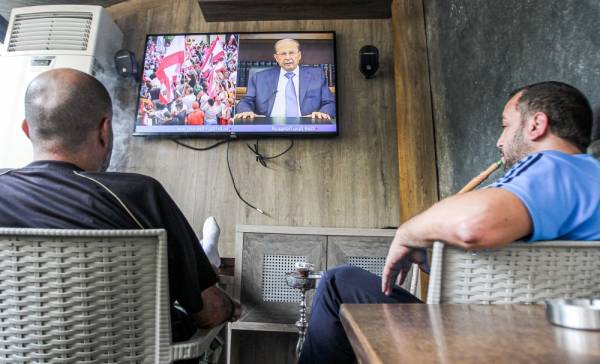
x=326, y=341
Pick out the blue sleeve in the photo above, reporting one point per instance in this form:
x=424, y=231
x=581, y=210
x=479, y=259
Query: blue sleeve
x=247, y=103
x=327, y=98
x=541, y=186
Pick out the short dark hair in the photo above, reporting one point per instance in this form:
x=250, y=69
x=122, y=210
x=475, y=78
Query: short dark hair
x=568, y=110
x=64, y=106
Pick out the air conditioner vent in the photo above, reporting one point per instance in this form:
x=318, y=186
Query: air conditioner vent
x=50, y=31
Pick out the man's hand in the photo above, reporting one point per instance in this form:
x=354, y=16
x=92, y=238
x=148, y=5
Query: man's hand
x=237, y=311
x=246, y=115
x=398, y=263
x=318, y=115
x=218, y=308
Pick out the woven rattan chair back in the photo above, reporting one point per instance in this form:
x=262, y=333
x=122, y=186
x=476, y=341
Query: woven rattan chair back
x=83, y=296
x=518, y=273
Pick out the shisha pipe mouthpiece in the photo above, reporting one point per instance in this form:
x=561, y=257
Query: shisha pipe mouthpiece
x=481, y=177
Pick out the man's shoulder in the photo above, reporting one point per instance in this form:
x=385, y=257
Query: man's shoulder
x=305, y=68
x=127, y=176
x=551, y=165
x=542, y=160
x=269, y=72
x=125, y=181
x=313, y=71
x=557, y=159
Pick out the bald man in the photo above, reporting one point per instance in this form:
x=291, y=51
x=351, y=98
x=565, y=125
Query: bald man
x=68, y=118
x=288, y=90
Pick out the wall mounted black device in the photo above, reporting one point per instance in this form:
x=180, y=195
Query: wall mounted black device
x=368, y=60
x=126, y=64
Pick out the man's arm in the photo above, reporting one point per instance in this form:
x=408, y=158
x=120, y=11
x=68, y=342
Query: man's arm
x=327, y=98
x=191, y=277
x=480, y=219
x=324, y=107
x=218, y=308
x=248, y=102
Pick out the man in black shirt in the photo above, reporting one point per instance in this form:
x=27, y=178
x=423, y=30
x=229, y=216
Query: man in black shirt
x=68, y=120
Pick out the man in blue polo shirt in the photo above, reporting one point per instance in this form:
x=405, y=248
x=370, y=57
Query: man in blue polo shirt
x=550, y=191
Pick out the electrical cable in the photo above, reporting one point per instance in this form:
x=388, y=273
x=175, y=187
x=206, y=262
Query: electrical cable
x=262, y=159
x=204, y=148
x=235, y=186
x=227, y=140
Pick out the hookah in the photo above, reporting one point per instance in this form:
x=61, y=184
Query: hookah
x=304, y=278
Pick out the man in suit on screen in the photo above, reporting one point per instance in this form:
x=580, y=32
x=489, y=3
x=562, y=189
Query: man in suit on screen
x=289, y=90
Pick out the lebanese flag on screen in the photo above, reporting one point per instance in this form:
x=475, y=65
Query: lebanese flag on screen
x=218, y=53
x=214, y=54
x=232, y=40
x=213, y=84
x=211, y=87
x=170, y=66
x=207, y=58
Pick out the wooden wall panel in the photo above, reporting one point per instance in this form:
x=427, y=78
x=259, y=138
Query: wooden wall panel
x=348, y=181
x=223, y=10
x=416, y=144
x=414, y=120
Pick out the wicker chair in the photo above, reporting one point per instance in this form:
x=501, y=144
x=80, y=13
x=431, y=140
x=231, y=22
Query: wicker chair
x=518, y=273
x=92, y=296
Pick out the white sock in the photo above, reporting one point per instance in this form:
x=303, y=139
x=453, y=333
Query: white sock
x=210, y=241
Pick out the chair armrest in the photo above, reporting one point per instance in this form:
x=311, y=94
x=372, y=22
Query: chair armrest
x=434, y=289
x=196, y=345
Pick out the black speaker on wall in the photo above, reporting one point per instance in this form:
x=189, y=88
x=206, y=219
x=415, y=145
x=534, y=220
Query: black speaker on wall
x=368, y=60
x=126, y=64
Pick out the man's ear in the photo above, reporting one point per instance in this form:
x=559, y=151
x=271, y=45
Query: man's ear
x=105, y=131
x=538, y=126
x=25, y=128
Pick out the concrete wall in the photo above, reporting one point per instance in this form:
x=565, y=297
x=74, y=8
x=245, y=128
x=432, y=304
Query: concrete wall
x=481, y=50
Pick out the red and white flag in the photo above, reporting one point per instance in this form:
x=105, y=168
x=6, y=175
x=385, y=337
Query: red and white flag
x=218, y=53
x=212, y=80
x=170, y=66
x=214, y=55
x=232, y=40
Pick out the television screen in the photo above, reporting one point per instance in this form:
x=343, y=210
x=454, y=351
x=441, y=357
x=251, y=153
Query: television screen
x=238, y=83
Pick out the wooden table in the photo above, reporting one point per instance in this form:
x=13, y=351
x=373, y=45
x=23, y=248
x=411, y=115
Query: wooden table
x=448, y=333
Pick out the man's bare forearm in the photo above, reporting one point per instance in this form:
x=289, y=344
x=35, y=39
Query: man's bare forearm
x=479, y=219
x=475, y=220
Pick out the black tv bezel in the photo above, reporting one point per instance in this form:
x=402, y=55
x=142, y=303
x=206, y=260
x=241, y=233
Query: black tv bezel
x=233, y=134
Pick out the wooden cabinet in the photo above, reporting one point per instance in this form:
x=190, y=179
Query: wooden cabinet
x=266, y=297
x=263, y=255
x=366, y=252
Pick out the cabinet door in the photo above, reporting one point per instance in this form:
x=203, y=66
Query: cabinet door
x=366, y=252
x=266, y=259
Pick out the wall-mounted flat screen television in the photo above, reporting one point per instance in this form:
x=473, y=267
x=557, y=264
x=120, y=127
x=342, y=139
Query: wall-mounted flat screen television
x=242, y=84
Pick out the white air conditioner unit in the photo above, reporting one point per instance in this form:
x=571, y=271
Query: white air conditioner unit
x=40, y=38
